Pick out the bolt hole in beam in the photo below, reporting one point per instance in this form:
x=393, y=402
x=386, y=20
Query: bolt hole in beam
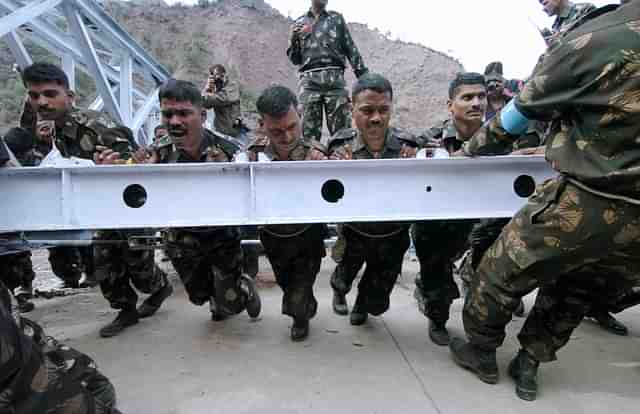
x=524, y=186
x=134, y=196
x=332, y=191
x=429, y=189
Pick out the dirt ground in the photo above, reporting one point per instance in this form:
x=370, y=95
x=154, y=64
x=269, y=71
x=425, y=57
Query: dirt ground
x=180, y=361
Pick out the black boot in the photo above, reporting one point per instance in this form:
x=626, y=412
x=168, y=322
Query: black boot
x=253, y=305
x=213, y=308
x=153, y=302
x=519, y=312
x=609, y=323
x=358, y=314
x=24, y=304
x=340, y=306
x=438, y=333
x=300, y=330
x=524, y=371
x=480, y=362
x=125, y=318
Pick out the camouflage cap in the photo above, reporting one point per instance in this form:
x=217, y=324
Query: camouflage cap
x=494, y=71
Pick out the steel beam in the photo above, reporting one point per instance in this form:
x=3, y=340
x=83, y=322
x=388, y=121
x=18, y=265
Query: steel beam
x=69, y=67
x=25, y=14
x=161, y=196
x=17, y=49
x=77, y=27
x=126, y=89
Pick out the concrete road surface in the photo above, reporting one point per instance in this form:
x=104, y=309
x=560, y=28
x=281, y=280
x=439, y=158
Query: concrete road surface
x=181, y=362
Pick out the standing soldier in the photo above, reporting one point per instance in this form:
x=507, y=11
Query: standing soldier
x=208, y=260
x=222, y=94
x=380, y=245
x=556, y=241
x=567, y=13
x=320, y=43
x=86, y=134
x=294, y=250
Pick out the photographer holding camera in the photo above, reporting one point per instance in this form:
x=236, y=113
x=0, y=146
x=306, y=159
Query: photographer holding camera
x=223, y=96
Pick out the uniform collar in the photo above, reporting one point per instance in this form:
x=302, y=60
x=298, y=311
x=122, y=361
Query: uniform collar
x=390, y=143
x=313, y=16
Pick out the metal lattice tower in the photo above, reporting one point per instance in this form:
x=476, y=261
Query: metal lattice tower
x=84, y=36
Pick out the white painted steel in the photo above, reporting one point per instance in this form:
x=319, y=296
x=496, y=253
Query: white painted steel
x=263, y=193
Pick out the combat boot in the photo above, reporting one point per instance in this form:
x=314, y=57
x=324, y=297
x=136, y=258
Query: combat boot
x=126, y=317
x=153, y=302
x=358, y=315
x=609, y=323
x=481, y=362
x=524, y=371
x=438, y=333
x=213, y=308
x=253, y=305
x=300, y=330
x=24, y=304
x=340, y=306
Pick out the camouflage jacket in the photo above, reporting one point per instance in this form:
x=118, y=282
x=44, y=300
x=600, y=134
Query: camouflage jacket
x=84, y=130
x=570, y=15
x=447, y=134
x=588, y=85
x=226, y=105
x=395, y=139
x=213, y=148
x=325, y=42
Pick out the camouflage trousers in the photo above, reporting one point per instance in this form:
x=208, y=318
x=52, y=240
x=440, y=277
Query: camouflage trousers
x=323, y=92
x=570, y=243
x=437, y=245
x=68, y=263
x=296, y=262
x=482, y=236
x=16, y=272
x=383, y=258
x=118, y=267
x=209, y=263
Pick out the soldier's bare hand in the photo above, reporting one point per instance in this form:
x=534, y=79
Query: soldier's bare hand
x=408, y=152
x=459, y=154
x=432, y=143
x=344, y=153
x=530, y=151
x=216, y=155
x=315, y=155
x=45, y=130
x=107, y=157
x=143, y=156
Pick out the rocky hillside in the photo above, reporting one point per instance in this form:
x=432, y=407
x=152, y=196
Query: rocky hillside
x=250, y=38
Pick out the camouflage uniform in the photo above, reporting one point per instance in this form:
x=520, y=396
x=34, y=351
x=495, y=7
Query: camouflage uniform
x=116, y=266
x=209, y=259
x=380, y=245
x=567, y=17
x=320, y=51
x=295, y=251
x=40, y=375
x=588, y=86
x=226, y=105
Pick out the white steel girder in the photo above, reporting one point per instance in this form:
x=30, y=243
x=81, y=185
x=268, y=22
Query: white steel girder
x=92, y=42
x=217, y=194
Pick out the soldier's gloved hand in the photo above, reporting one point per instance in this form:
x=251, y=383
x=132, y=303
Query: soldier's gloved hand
x=107, y=157
x=408, y=152
x=344, y=153
x=315, y=155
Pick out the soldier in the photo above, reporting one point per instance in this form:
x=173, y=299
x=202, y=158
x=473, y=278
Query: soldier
x=567, y=13
x=40, y=375
x=320, y=42
x=380, y=245
x=295, y=251
x=86, y=134
x=159, y=132
x=222, y=94
x=499, y=90
x=208, y=260
x=556, y=241
x=438, y=243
